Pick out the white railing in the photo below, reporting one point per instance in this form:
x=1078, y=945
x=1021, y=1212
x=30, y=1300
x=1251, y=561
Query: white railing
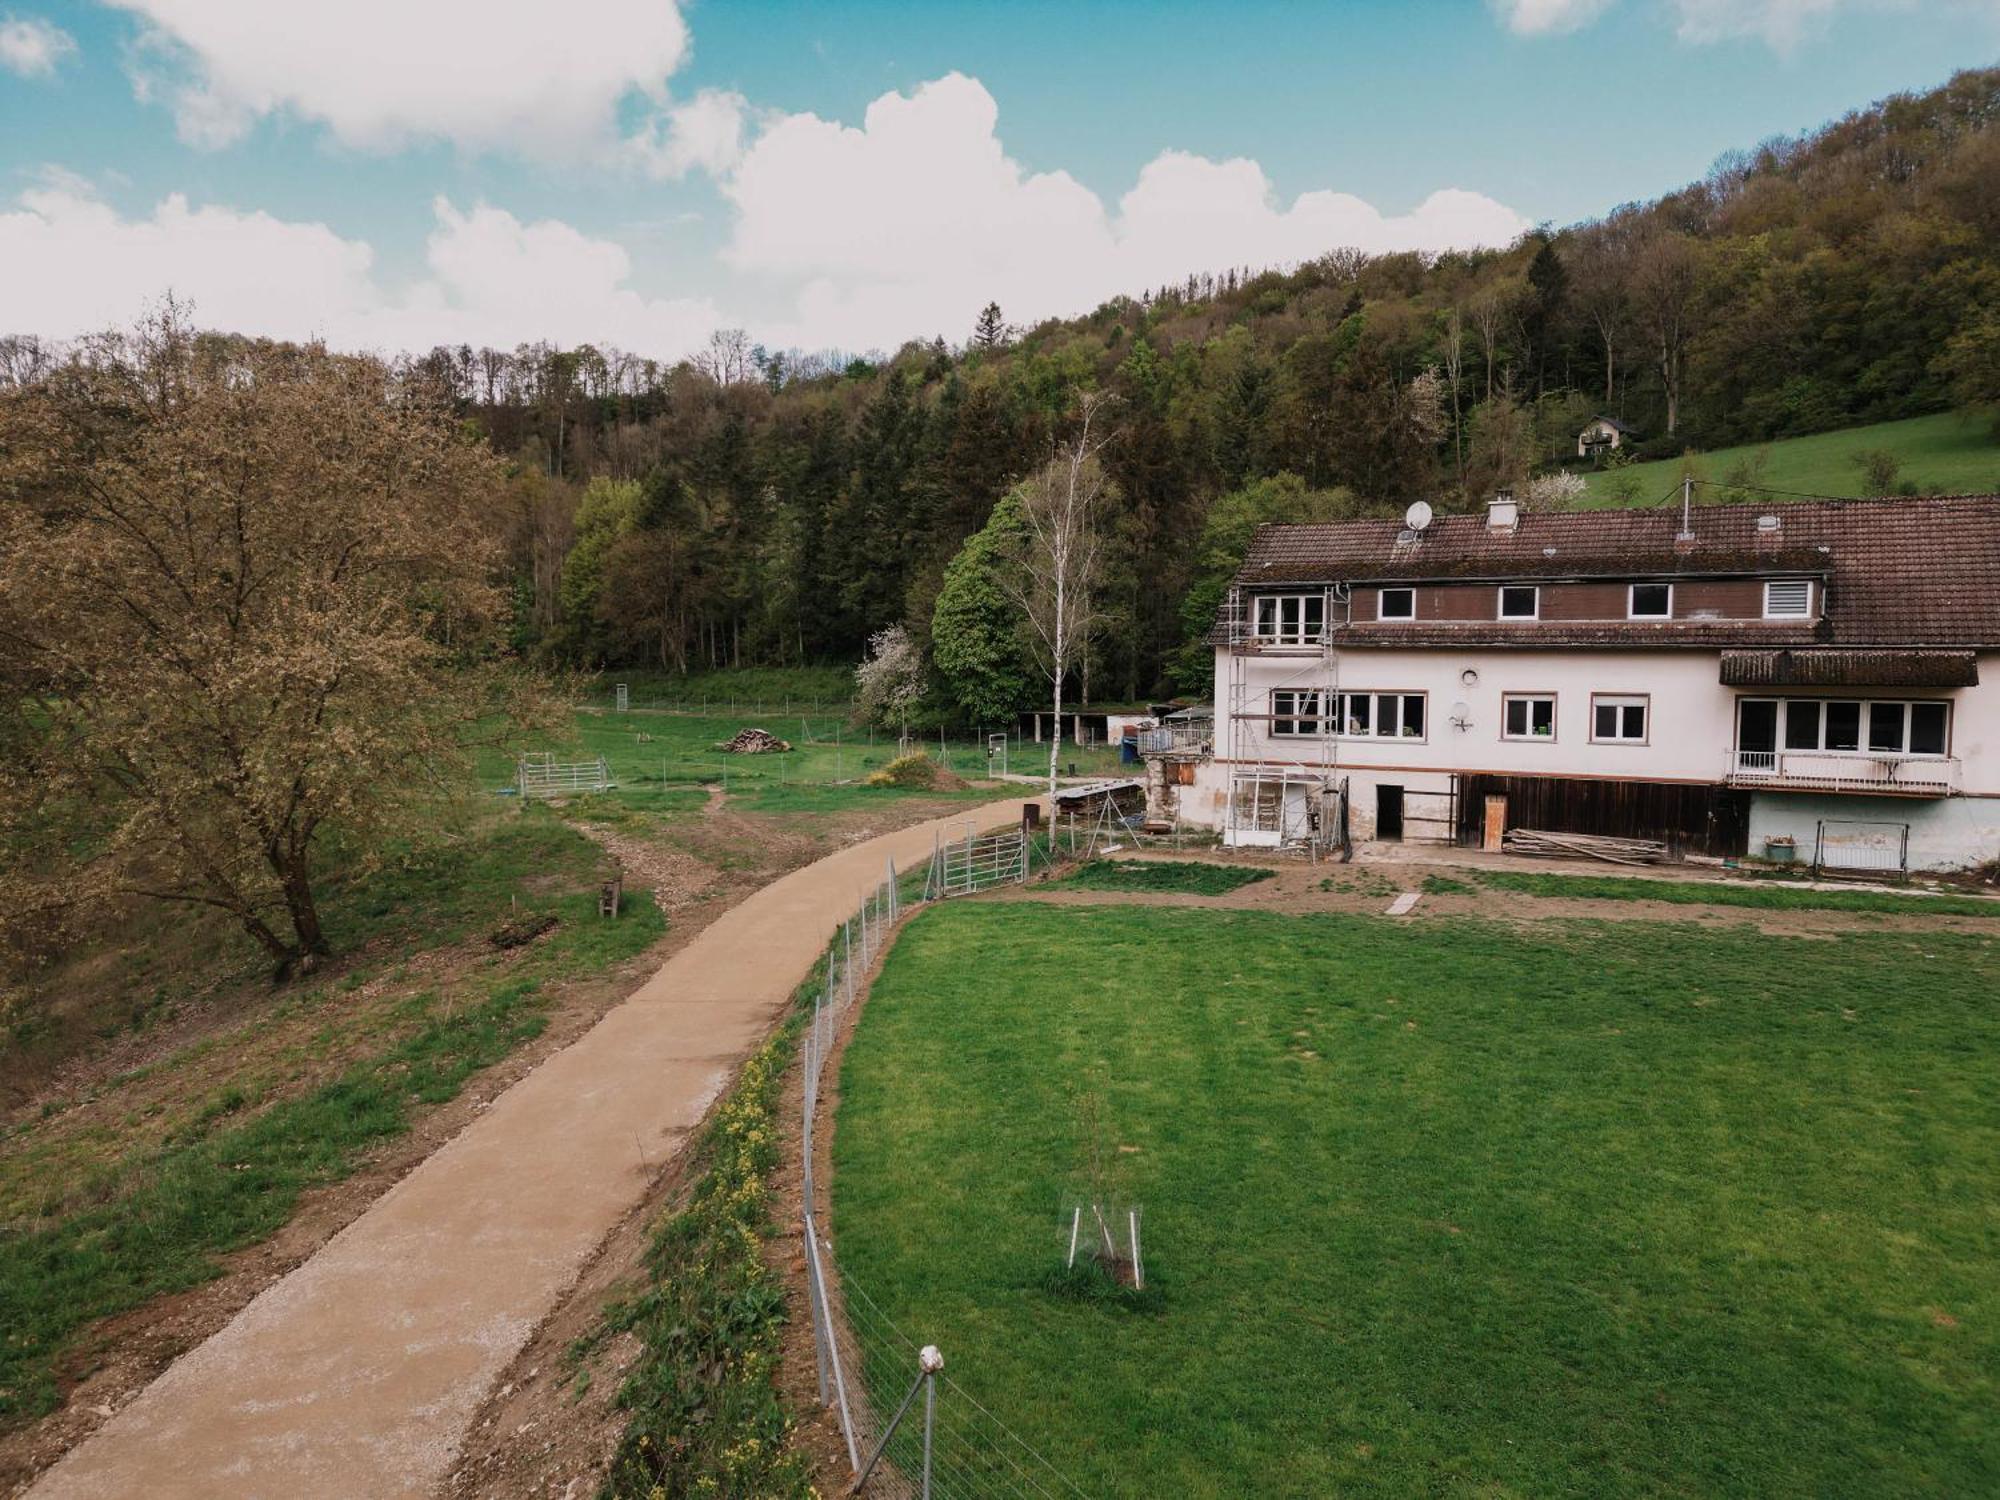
x=1194, y=737
x=545, y=776
x=1851, y=771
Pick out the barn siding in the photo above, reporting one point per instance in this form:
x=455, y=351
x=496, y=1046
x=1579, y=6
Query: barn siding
x=1688, y=818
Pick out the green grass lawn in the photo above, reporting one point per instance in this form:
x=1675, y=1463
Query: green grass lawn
x=1772, y=897
x=1950, y=453
x=1191, y=877
x=1609, y=1209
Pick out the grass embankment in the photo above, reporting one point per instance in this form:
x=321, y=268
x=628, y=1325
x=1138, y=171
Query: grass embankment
x=1182, y=877
x=705, y=1417
x=138, y=1186
x=1951, y=453
x=1770, y=897
x=1462, y=1208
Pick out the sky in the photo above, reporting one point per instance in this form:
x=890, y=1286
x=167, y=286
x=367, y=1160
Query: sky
x=393, y=174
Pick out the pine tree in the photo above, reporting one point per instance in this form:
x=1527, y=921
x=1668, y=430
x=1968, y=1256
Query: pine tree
x=990, y=332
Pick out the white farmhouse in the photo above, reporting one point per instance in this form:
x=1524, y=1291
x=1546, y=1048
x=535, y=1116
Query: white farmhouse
x=1818, y=676
x=1602, y=435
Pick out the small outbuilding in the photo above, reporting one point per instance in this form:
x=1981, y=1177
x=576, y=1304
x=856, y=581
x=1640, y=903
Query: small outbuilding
x=1603, y=435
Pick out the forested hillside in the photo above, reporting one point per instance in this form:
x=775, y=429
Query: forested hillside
x=756, y=508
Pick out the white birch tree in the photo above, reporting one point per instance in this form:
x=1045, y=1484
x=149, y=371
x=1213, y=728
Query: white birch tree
x=1058, y=563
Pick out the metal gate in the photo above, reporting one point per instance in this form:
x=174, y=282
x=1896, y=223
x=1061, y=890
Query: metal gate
x=963, y=867
x=1848, y=847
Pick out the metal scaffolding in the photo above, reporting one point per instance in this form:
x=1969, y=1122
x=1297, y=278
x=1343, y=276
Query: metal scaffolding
x=1282, y=801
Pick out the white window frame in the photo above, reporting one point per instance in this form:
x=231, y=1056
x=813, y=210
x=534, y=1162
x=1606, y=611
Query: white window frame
x=1861, y=750
x=1805, y=613
x=1276, y=634
x=1621, y=701
x=1531, y=738
x=1632, y=601
x=1307, y=704
x=1500, y=601
x=1344, y=729
x=1381, y=602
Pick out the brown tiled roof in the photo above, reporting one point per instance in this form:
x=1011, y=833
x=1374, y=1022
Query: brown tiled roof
x=1850, y=669
x=1916, y=571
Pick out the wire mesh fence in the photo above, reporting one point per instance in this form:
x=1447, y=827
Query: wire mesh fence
x=909, y=1429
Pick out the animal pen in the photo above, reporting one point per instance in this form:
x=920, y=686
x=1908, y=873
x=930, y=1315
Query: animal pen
x=906, y=1427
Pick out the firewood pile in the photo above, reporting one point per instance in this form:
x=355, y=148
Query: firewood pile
x=753, y=742
x=1583, y=846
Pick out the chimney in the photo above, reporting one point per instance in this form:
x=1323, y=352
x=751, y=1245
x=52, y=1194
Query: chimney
x=1502, y=514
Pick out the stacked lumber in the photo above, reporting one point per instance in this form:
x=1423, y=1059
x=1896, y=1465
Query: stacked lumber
x=753, y=742
x=1584, y=846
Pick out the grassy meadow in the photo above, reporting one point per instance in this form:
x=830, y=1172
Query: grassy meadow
x=1950, y=453
x=1590, y=1209
x=665, y=761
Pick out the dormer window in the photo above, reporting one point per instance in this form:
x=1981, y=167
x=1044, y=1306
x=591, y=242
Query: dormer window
x=1651, y=601
x=1291, y=619
x=1396, y=604
x=1520, y=601
x=1787, y=599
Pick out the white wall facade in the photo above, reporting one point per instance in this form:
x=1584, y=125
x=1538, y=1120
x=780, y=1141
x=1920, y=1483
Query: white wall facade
x=1690, y=736
x=1946, y=833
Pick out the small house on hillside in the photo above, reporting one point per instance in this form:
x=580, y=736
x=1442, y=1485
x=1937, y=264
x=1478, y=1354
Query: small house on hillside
x=1603, y=435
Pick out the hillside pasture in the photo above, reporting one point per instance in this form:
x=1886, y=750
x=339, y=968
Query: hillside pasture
x=664, y=762
x=1452, y=1207
x=1950, y=453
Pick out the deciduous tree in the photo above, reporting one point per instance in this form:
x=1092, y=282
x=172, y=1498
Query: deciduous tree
x=246, y=601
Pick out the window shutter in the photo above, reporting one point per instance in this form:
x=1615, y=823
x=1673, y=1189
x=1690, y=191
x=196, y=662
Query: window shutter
x=1788, y=597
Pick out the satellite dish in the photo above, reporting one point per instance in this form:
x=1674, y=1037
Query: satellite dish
x=1461, y=716
x=1418, y=516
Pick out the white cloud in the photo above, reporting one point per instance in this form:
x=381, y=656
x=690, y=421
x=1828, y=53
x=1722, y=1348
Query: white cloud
x=1780, y=24
x=76, y=264
x=511, y=74
x=909, y=224
x=32, y=47
x=1548, y=17
x=705, y=133
x=839, y=236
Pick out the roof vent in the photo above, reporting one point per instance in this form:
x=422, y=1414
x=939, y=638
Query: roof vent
x=1548, y=552
x=1767, y=523
x=1405, y=537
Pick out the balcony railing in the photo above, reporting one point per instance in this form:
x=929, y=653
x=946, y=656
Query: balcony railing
x=1879, y=774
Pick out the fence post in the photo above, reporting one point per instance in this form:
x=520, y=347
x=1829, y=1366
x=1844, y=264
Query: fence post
x=931, y=1360
x=818, y=1273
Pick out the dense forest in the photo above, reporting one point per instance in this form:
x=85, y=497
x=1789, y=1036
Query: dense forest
x=748, y=507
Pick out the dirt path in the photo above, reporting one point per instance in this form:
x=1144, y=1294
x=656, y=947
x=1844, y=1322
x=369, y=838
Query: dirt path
x=358, y=1373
